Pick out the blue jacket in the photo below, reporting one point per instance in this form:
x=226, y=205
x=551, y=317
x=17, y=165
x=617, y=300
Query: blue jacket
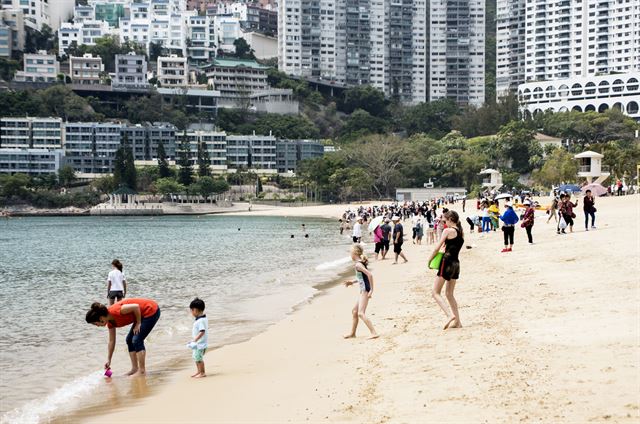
x=509, y=217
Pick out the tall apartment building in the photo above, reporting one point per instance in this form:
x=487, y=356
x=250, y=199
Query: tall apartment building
x=32, y=133
x=510, y=44
x=5, y=40
x=90, y=147
x=30, y=161
x=413, y=50
x=289, y=153
x=43, y=12
x=213, y=140
x=12, y=32
x=577, y=55
x=252, y=151
x=85, y=32
x=144, y=139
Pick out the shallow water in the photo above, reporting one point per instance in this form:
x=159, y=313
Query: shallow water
x=249, y=271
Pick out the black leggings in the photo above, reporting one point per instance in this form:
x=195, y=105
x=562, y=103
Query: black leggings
x=529, y=235
x=470, y=223
x=508, y=234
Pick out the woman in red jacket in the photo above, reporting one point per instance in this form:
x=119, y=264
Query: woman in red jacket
x=528, y=220
x=142, y=313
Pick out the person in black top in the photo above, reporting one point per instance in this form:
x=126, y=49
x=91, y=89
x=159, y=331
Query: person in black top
x=588, y=206
x=449, y=271
x=398, y=232
x=386, y=233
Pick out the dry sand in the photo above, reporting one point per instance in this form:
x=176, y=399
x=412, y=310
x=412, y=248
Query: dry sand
x=551, y=334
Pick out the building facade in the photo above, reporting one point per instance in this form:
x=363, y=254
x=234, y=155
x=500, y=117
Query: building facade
x=131, y=71
x=85, y=70
x=289, y=153
x=237, y=77
x=215, y=142
x=31, y=133
x=510, y=44
x=43, y=12
x=40, y=67
x=12, y=32
x=256, y=152
x=32, y=162
x=172, y=71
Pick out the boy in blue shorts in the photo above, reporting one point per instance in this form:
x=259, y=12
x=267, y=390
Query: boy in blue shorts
x=200, y=334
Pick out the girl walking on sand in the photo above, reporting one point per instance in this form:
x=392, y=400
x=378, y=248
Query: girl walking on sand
x=453, y=239
x=364, y=279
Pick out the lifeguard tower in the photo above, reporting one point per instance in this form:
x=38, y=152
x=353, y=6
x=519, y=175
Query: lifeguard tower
x=493, y=179
x=590, y=167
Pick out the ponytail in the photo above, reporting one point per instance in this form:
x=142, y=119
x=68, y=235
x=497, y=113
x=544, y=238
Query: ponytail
x=357, y=249
x=97, y=311
x=117, y=264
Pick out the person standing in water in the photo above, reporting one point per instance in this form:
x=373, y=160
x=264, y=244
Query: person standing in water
x=357, y=231
x=141, y=313
x=449, y=271
x=116, y=283
x=364, y=279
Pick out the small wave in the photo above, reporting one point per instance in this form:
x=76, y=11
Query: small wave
x=333, y=264
x=38, y=410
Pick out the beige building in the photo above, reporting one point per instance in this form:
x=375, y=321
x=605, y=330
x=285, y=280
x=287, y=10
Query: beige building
x=237, y=77
x=85, y=70
x=40, y=67
x=172, y=71
x=264, y=47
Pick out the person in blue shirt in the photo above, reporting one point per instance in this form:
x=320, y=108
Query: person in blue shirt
x=510, y=219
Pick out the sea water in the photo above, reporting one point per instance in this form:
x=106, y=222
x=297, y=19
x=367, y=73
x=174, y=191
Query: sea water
x=249, y=271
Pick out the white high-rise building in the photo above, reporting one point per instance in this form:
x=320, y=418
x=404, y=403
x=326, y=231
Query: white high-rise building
x=456, y=51
x=578, y=55
x=510, y=45
x=388, y=44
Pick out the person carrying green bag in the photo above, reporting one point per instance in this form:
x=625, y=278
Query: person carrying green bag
x=449, y=267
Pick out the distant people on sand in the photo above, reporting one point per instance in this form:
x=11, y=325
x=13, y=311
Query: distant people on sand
x=398, y=233
x=528, y=219
x=474, y=221
x=116, y=283
x=486, y=217
x=143, y=314
x=494, y=215
x=357, y=231
x=449, y=271
x=510, y=219
x=199, y=336
x=553, y=210
x=364, y=279
x=589, y=208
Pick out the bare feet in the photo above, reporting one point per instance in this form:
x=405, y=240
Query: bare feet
x=133, y=371
x=200, y=376
x=373, y=336
x=138, y=373
x=448, y=324
x=349, y=336
x=196, y=374
x=456, y=324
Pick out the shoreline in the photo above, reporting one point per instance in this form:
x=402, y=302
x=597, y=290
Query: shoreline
x=538, y=332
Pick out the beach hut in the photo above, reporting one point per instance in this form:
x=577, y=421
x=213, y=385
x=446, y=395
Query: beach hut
x=590, y=167
x=493, y=179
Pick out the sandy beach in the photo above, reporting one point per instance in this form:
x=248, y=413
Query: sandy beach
x=551, y=334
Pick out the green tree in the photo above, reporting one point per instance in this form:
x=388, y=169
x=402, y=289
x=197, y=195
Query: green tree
x=206, y=186
x=163, y=165
x=433, y=118
x=14, y=185
x=364, y=97
x=124, y=170
x=559, y=167
x=516, y=144
x=66, y=175
x=243, y=49
x=361, y=123
x=204, y=162
x=8, y=68
x=185, y=176
x=155, y=50
x=61, y=101
x=167, y=186
x=104, y=185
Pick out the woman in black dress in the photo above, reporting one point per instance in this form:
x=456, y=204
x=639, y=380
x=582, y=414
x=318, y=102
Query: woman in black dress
x=449, y=271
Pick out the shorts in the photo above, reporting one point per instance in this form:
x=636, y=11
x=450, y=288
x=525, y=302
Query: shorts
x=198, y=354
x=449, y=270
x=379, y=247
x=397, y=247
x=356, y=239
x=385, y=245
x=118, y=295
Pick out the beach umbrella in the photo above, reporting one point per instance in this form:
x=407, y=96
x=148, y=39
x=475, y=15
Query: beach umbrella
x=596, y=189
x=503, y=196
x=569, y=188
x=375, y=222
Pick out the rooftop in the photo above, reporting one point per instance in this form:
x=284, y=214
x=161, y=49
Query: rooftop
x=236, y=63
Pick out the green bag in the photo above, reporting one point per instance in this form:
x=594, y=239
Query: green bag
x=435, y=262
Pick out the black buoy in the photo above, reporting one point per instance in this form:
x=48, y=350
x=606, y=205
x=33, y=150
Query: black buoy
x=306, y=236
x=238, y=229
x=291, y=235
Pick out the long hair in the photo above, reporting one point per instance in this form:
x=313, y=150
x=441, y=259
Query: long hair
x=117, y=264
x=357, y=249
x=453, y=217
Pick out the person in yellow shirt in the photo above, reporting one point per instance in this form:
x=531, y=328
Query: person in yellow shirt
x=494, y=214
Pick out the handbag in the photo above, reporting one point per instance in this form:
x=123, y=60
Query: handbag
x=562, y=224
x=436, y=261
